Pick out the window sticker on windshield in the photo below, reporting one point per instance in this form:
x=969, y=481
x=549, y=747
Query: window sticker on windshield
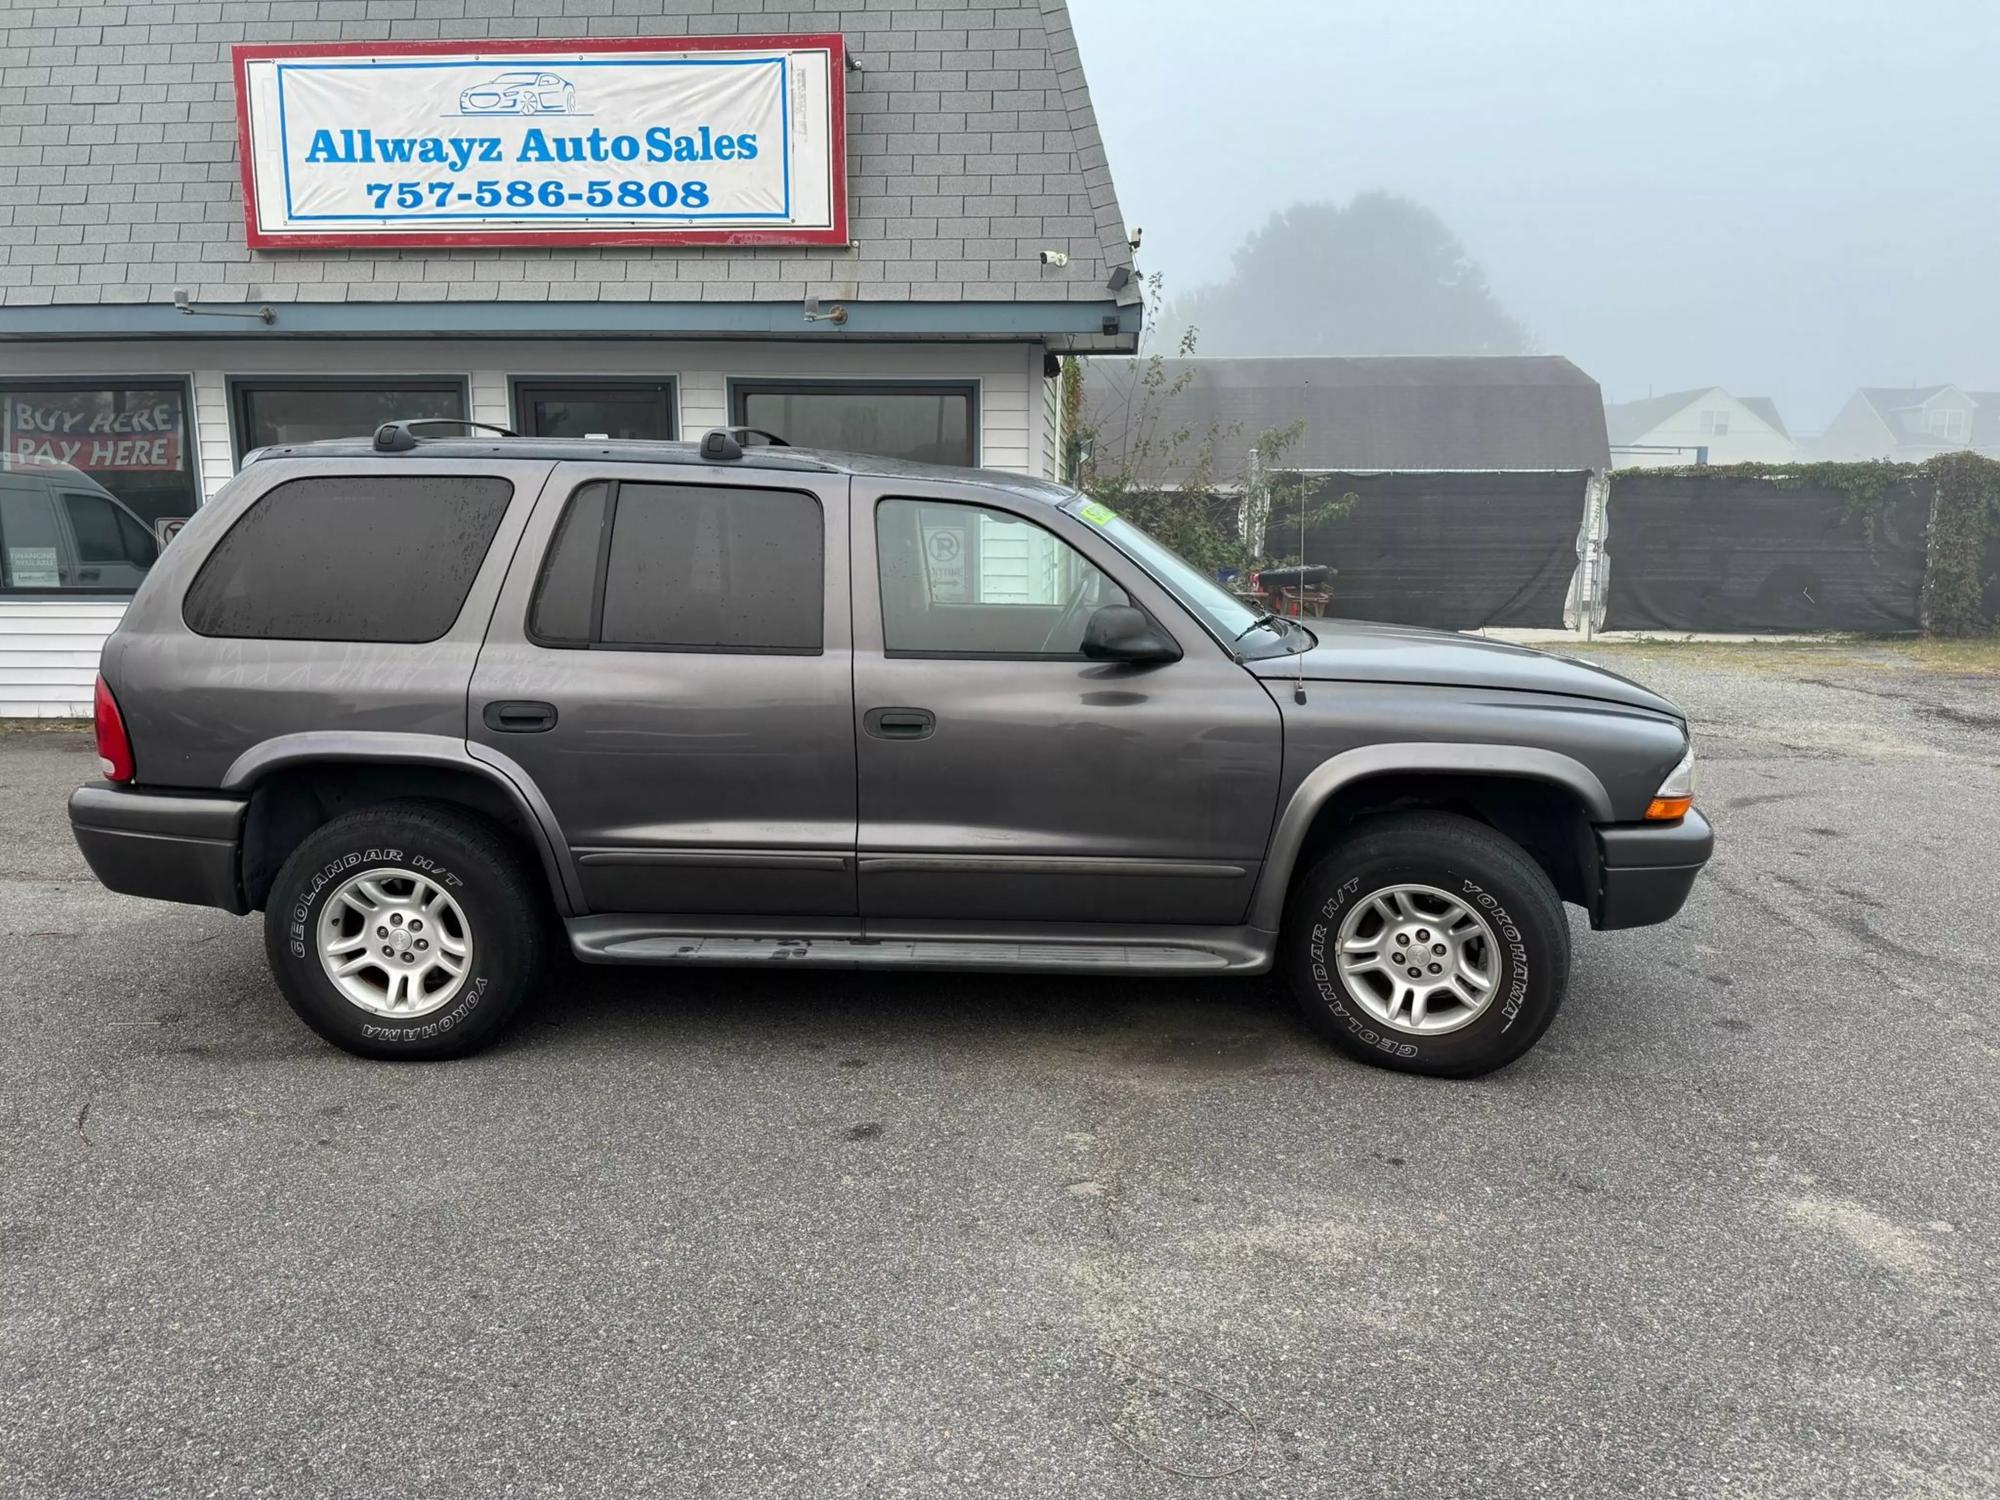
x=1097, y=515
x=33, y=568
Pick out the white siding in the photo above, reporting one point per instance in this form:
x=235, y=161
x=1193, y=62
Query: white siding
x=1051, y=444
x=48, y=655
x=1677, y=441
x=49, y=648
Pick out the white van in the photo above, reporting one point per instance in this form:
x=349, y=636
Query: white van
x=61, y=529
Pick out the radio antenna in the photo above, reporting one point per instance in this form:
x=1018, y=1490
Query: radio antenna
x=1299, y=682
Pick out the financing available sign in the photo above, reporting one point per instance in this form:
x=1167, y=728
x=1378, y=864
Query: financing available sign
x=631, y=141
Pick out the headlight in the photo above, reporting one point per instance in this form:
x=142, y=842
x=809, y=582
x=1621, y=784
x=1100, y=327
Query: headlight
x=1676, y=793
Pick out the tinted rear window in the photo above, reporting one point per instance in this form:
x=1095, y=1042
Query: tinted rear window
x=352, y=558
x=686, y=567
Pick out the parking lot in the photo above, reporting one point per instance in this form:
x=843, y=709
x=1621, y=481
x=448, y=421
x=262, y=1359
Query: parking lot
x=1730, y=1229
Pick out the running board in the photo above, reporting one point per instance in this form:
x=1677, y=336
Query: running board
x=1058, y=948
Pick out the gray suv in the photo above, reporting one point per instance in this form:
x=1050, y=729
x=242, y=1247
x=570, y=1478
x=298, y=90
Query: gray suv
x=432, y=704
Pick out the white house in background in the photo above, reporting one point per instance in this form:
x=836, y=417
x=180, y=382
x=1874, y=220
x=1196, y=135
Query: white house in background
x=1707, y=426
x=1912, y=423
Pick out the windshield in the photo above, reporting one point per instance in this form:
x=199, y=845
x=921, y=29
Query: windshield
x=1235, y=621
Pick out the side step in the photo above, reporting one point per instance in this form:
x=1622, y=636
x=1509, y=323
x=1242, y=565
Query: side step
x=1004, y=946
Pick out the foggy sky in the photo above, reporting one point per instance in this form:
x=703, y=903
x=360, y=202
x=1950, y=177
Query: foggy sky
x=1783, y=198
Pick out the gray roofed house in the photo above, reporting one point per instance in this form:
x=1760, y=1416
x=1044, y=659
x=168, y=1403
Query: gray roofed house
x=972, y=145
x=1912, y=423
x=615, y=273
x=1704, y=425
x=1432, y=412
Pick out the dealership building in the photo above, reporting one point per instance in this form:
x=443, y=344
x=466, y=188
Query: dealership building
x=227, y=225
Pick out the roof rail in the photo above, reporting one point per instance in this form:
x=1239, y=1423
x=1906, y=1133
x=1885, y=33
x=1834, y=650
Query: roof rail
x=719, y=444
x=396, y=437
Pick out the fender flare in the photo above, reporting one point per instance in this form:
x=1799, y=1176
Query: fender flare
x=383, y=747
x=1267, y=906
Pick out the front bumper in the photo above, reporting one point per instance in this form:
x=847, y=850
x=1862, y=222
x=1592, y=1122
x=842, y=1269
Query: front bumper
x=171, y=846
x=1645, y=870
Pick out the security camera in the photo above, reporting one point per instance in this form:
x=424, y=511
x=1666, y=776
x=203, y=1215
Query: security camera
x=1055, y=257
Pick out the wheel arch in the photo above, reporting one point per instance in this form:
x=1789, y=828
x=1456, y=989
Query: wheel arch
x=1480, y=780
x=297, y=782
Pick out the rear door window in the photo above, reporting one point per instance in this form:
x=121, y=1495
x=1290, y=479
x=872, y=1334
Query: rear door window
x=358, y=557
x=685, y=567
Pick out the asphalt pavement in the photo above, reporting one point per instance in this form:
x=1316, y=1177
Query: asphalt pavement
x=1730, y=1230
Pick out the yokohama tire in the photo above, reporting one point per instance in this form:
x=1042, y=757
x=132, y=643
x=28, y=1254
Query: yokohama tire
x=491, y=907
x=1517, y=942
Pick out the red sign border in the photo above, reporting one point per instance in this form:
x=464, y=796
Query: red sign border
x=242, y=54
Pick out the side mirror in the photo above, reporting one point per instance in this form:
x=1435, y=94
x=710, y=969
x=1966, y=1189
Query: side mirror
x=1118, y=632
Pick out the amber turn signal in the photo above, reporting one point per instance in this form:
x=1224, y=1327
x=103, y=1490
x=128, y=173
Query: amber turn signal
x=1666, y=809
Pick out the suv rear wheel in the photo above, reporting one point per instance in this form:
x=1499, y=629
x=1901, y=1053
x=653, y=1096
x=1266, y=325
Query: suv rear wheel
x=1428, y=943
x=408, y=930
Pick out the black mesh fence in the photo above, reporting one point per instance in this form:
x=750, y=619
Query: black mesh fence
x=1453, y=550
x=1733, y=553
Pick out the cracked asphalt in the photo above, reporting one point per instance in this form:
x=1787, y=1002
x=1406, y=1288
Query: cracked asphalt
x=1729, y=1231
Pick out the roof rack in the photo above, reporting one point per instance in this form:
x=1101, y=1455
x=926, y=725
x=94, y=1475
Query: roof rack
x=396, y=437
x=719, y=444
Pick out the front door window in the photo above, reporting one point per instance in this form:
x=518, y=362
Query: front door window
x=967, y=580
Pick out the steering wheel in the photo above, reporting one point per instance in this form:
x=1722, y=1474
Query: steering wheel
x=1070, y=611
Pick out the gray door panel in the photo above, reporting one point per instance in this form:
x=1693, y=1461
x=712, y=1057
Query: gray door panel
x=687, y=781
x=209, y=701
x=1056, y=788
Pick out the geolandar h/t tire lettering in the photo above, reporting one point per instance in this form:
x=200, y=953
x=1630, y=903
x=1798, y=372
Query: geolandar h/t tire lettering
x=1428, y=943
x=409, y=930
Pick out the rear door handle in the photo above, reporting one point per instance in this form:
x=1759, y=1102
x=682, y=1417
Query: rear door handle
x=899, y=723
x=520, y=717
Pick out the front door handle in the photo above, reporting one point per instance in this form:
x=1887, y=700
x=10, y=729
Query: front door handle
x=520, y=717
x=899, y=723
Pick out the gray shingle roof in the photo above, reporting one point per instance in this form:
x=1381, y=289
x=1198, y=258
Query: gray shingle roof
x=1434, y=412
x=1766, y=411
x=1897, y=406
x=972, y=145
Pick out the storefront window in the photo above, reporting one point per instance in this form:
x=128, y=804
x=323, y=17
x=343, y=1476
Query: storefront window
x=923, y=422
x=595, y=408
x=306, y=411
x=94, y=478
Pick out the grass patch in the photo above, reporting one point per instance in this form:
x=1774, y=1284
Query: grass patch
x=46, y=726
x=1976, y=656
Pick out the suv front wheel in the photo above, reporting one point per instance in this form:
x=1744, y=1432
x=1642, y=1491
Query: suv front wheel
x=1428, y=943
x=408, y=930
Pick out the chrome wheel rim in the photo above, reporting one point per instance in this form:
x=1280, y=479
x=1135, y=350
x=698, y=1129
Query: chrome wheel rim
x=394, y=942
x=1418, y=959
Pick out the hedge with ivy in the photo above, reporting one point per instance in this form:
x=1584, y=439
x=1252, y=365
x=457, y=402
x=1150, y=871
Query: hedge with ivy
x=1964, y=541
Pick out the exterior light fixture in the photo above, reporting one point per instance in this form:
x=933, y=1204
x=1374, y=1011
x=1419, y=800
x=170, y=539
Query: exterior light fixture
x=185, y=305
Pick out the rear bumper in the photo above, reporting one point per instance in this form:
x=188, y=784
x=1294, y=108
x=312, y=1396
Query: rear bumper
x=167, y=845
x=1645, y=870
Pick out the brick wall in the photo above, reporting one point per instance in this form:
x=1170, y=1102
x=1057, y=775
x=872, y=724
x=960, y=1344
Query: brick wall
x=972, y=146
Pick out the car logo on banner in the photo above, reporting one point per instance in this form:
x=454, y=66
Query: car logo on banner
x=527, y=93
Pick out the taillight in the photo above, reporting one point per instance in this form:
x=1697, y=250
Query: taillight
x=114, y=748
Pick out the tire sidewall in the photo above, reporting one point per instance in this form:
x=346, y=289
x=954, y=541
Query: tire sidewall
x=422, y=847
x=1531, y=947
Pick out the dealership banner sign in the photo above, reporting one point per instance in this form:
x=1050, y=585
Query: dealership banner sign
x=630, y=141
